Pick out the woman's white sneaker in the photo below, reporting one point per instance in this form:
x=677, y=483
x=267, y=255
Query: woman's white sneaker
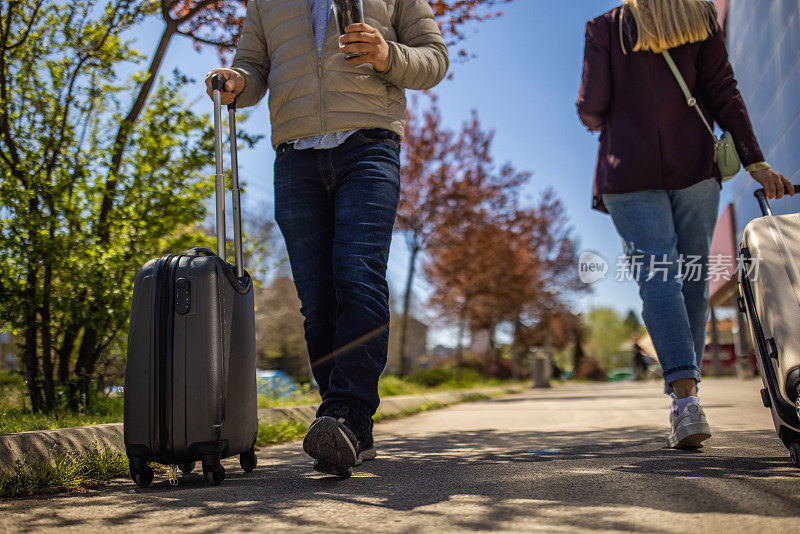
x=689, y=427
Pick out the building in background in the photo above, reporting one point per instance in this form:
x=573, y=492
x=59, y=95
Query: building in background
x=416, y=345
x=763, y=39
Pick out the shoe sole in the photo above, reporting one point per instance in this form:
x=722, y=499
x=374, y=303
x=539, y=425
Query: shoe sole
x=367, y=455
x=330, y=447
x=690, y=436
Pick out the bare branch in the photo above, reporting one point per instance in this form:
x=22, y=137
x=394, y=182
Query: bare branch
x=209, y=42
x=195, y=10
x=28, y=29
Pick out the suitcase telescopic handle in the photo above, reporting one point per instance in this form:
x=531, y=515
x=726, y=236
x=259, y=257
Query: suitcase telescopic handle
x=764, y=203
x=217, y=85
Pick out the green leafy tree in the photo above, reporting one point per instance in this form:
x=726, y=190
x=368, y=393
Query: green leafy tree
x=162, y=187
x=632, y=324
x=54, y=63
x=607, y=335
x=65, y=291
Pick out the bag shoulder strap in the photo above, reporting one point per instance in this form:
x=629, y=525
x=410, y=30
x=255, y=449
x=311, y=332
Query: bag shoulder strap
x=690, y=99
x=678, y=76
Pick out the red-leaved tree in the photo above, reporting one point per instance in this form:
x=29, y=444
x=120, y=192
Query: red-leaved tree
x=516, y=267
x=448, y=180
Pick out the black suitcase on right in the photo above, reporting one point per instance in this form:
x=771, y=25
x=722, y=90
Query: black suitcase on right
x=190, y=381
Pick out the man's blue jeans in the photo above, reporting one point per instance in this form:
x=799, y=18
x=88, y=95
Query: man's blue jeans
x=667, y=238
x=336, y=209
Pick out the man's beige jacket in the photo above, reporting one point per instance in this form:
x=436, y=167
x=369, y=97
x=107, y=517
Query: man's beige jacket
x=309, y=95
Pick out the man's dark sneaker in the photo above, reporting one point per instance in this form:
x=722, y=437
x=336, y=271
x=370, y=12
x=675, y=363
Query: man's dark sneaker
x=366, y=446
x=335, y=447
x=366, y=455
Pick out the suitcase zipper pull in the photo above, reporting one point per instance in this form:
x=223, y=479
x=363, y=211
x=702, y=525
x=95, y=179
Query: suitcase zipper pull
x=172, y=471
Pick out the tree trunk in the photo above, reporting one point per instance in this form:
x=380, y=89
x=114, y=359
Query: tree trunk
x=515, y=352
x=83, y=369
x=65, y=352
x=578, y=354
x=404, y=363
x=47, y=362
x=462, y=325
x=491, y=367
x=30, y=357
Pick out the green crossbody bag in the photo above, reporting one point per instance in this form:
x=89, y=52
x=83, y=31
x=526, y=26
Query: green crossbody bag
x=725, y=155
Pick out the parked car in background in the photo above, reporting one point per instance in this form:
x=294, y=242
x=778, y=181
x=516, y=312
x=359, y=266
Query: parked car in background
x=274, y=383
x=622, y=373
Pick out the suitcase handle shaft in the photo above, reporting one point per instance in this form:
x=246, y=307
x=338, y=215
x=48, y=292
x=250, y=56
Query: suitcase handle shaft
x=763, y=203
x=217, y=85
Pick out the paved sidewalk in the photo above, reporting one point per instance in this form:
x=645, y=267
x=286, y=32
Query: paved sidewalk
x=582, y=458
x=41, y=446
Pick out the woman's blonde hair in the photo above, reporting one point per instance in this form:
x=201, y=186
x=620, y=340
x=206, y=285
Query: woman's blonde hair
x=665, y=24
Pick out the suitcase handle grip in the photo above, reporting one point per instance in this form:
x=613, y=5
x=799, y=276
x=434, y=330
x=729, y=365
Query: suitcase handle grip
x=241, y=284
x=218, y=82
x=763, y=203
x=200, y=251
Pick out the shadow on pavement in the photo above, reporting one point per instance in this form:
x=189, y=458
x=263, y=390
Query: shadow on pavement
x=496, y=476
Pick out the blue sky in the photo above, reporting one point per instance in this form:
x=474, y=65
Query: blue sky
x=523, y=82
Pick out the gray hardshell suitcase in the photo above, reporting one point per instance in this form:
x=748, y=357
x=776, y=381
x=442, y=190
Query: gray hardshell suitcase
x=190, y=381
x=769, y=286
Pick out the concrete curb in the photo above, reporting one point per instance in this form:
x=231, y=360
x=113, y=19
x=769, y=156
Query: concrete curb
x=43, y=446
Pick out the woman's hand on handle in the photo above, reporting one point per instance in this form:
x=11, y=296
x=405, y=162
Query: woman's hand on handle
x=774, y=183
x=233, y=86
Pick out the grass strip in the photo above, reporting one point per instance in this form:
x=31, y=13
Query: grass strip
x=280, y=432
x=65, y=474
x=24, y=422
x=411, y=410
x=96, y=467
x=431, y=405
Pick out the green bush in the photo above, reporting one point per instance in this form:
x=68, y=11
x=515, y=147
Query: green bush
x=107, y=405
x=469, y=377
x=391, y=386
x=104, y=409
x=12, y=380
x=12, y=390
x=432, y=377
x=440, y=376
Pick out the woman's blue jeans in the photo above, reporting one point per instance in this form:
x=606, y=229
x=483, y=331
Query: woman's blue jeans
x=336, y=209
x=667, y=238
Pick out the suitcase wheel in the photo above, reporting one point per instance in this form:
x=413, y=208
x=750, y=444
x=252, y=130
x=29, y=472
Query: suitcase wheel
x=187, y=467
x=248, y=461
x=794, y=453
x=141, y=473
x=213, y=471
